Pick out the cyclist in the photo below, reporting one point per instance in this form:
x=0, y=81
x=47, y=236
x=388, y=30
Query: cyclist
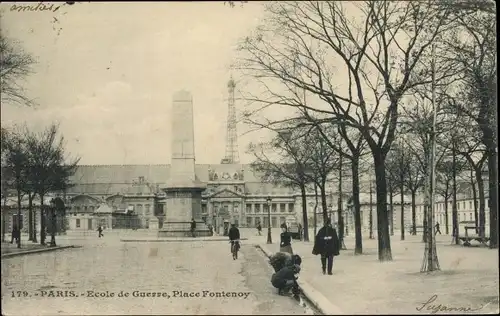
x=234, y=239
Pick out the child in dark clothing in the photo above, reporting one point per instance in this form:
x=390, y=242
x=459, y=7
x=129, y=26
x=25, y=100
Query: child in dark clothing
x=285, y=279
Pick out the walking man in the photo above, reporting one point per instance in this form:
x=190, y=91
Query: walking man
x=437, y=229
x=327, y=245
x=259, y=229
x=99, y=229
x=193, y=227
x=15, y=234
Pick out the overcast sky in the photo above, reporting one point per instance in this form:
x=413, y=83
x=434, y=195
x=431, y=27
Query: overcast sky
x=106, y=72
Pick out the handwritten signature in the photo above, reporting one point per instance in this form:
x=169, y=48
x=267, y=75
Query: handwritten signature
x=443, y=308
x=39, y=7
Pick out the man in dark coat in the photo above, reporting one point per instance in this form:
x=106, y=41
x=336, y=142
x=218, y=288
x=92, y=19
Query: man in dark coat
x=193, y=227
x=15, y=234
x=327, y=245
x=234, y=240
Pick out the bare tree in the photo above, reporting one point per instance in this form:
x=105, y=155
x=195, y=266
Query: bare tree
x=49, y=170
x=288, y=166
x=380, y=68
x=16, y=163
x=15, y=66
x=472, y=46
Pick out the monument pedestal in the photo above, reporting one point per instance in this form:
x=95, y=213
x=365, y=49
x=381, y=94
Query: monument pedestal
x=154, y=223
x=183, y=229
x=184, y=204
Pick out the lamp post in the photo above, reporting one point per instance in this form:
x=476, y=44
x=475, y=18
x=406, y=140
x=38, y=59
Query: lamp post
x=311, y=204
x=269, y=237
x=349, y=212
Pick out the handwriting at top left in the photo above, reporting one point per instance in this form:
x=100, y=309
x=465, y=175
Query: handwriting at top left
x=39, y=7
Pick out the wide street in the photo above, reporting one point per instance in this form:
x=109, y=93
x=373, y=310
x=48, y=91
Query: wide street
x=203, y=271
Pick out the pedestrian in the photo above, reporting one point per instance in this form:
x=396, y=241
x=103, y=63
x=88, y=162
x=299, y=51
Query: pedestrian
x=259, y=229
x=327, y=245
x=99, y=229
x=300, y=231
x=285, y=280
x=193, y=227
x=15, y=234
x=437, y=229
x=285, y=240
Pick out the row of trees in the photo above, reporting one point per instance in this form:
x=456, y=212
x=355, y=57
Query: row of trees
x=32, y=163
x=35, y=164
x=375, y=72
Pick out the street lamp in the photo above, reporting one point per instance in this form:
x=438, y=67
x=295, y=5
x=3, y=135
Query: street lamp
x=314, y=216
x=53, y=223
x=269, y=238
x=349, y=212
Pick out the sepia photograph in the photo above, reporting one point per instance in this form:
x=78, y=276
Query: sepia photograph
x=249, y=158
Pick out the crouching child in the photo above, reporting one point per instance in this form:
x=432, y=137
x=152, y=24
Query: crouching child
x=285, y=279
x=281, y=259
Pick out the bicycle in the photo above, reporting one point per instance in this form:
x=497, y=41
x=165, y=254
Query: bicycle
x=235, y=246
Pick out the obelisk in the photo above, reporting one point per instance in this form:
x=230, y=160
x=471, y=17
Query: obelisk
x=183, y=189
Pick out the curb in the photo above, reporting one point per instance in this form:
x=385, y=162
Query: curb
x=177, y=240
x=29, y=252
x=319, y=301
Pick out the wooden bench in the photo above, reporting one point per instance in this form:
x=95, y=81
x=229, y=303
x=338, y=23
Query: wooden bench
x=418, y=229
x=467, y=238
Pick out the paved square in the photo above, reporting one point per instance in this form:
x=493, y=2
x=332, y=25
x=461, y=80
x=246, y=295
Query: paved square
x=160, y=278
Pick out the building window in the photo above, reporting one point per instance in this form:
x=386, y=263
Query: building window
x=274, y=208
x=77, y=209
x=249, y=221
x=470, y=205
x=77, y=223
x=290, y=208
x=257, y=208
x=458, y=206
x=470, y=216
x=91, y=208
x=139, y=209
x=265, y=207
x=249, y=208
x=274, y=222
x=266, y=222
x=282, y=208
x=282, y=220
x=148, y=209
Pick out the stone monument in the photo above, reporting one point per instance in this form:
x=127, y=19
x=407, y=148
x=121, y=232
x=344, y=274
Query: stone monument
x=183, y=189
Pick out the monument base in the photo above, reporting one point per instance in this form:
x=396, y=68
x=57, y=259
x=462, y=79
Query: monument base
x=153, y=223
x=183, y=229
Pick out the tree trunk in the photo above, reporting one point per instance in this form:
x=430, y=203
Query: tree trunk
x=493, y=194
x=30, y=216
x=42, y=221
x=34, y=226
x=474, y=198
x=384, y=240
x=19, y=222
x=454, y=203
x=391, y=210
x=53, y=220
x=414, y=211
x=482, y=204
x=401, y=191
x=304, y=212
x=370, y=218
x=357, y=207
x=324, y=203
x=446, y=199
